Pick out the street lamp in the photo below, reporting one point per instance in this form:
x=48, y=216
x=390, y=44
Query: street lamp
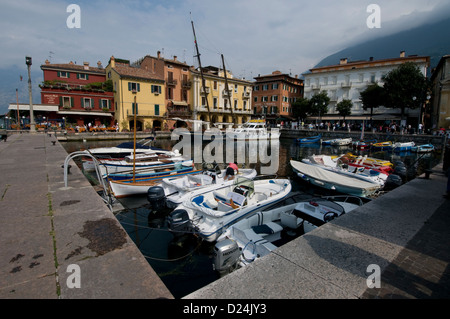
x=32, y=124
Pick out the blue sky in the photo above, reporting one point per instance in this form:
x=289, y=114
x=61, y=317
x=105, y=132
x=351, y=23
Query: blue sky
x=255, y=36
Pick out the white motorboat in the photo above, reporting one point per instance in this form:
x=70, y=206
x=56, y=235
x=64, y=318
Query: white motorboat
x=256, y=236
x=178, y=189
x=253, y=130
x=334, y=165
x=143, y=162
x=140, y=185
x=335, y=181
x=121, y=151
x=209, y=214
x=341, y=141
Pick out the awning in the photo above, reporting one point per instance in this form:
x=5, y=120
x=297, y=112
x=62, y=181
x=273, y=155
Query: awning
x=36, y=107
x=85, y=113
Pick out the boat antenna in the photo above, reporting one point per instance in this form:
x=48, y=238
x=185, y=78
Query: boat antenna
x=201, y=72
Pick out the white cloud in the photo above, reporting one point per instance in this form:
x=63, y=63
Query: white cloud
x=255, y=36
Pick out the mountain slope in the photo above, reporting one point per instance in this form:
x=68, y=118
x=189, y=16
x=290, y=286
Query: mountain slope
x=428, y=40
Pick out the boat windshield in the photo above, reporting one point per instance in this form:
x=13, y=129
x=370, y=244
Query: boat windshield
x=329, y=204
x=245, y=183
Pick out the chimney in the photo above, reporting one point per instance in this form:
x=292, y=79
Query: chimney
x=296, y=76
x=371, y=58
x=99, y=65
x=47, y=62
x=71, y=62
x=112, y=61
x=343, y=61
x=174, y=57
x=159, y=54
x=86, y=65
x=402, y=54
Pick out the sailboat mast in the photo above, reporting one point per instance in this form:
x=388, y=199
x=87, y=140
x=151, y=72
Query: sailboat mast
x=227, y=89
x=201, y=72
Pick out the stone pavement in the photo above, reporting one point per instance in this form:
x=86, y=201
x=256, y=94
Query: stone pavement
x=53, y=237
x=400, y=240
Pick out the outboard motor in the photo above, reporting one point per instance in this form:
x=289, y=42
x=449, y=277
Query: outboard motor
x=156, y=197
x=178, y=222
x=226, y=256
x=392, y=181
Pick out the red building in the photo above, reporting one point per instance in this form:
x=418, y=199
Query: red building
x=81, y=92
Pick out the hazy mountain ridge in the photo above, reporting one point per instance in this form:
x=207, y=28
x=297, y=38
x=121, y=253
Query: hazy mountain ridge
x=428, y=40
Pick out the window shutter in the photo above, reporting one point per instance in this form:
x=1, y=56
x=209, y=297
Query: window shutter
x=152, y=88
x=109, y=104
x=82, y=102
x=68, y=75
x=129, y=86
x=92, y=103
x=138, y=87
x=159, y=89
x=71, y=102
x=87, y=76
x=58, y=74
x=60, y=101
x=78, y=75
x=156, y=109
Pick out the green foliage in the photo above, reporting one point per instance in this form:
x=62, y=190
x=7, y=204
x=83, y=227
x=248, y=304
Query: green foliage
x=319, y=103
x=372, y=97
x=405, y=87
x=344, y=108
x=301, y=108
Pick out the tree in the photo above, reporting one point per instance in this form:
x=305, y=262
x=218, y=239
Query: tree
x=344, y=108
x=301, y=108
x=319, y=103
x=372, y=97
x=405, y=87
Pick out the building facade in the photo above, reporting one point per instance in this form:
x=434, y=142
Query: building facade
x=347, y=80
x=81, y=92
x=274, y=95
x=178, y=87
x=218, y=105
x=138, y=91
x=438, y=114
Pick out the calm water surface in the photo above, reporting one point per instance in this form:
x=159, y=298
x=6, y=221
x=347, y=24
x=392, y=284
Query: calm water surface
x=186, y=265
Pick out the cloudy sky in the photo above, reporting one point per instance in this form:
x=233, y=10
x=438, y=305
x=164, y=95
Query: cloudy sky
x=255, y=36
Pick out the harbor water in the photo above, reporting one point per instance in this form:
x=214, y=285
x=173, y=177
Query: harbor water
x=185, y=264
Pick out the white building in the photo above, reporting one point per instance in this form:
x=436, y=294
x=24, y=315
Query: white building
x=348, y=79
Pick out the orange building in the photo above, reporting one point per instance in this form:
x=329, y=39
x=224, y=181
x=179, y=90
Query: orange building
x=178, y=85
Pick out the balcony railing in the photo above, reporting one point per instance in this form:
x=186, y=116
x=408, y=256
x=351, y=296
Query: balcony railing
x=143, y=113
x=186, y=84
x=179, y=113
x=171, y=82
x=246, y=95
x=346, y=84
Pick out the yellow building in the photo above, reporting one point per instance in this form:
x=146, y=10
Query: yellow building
x=143, y=88
x=220, y=107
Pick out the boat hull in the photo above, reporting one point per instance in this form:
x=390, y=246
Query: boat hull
x=334, y=181
x=140, y=186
